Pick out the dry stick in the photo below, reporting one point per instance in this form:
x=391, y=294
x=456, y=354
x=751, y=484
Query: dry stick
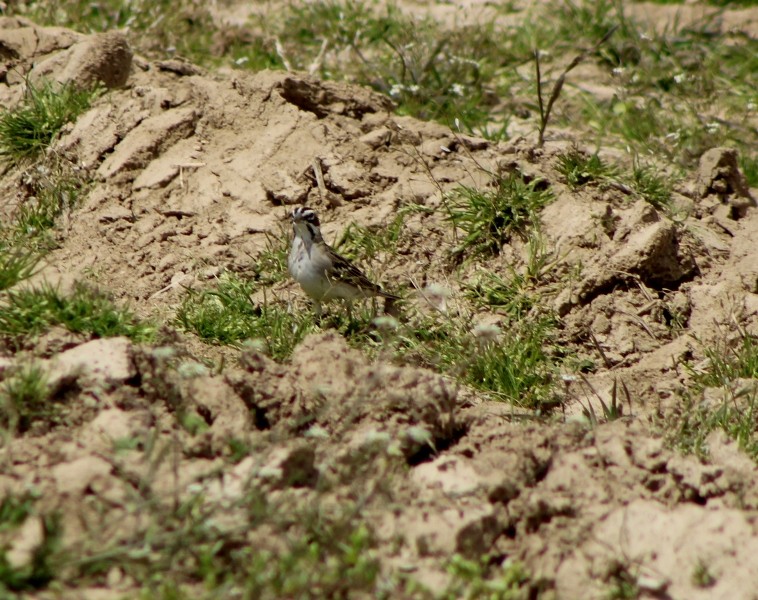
x=558, y=86
x=332, y=199
x=319, y=60
x=280, y=52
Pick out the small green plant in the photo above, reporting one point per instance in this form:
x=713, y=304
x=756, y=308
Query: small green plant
x=489, y=218
x=14, y=510
x=727, y=363
x=271, y=264
x=513, y=365
x=16, y=264
x=227, y=315
x=42, y=567
x=652, y=186
x=361, y=243
x=28, y=129
x=28, y=312
x=702, y=576
x=510, y=295
x=473, y=579
x=735, y=412
x=25, y=398
x=580, y=169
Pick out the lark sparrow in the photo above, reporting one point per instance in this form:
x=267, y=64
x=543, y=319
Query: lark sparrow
x=322, y=273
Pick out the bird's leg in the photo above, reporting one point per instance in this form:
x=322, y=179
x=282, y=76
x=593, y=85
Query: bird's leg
x=317, y=311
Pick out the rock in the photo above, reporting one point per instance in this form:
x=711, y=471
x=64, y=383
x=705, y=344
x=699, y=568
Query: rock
x=101, y=58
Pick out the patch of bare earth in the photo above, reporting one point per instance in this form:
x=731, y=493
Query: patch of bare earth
x=192, y=170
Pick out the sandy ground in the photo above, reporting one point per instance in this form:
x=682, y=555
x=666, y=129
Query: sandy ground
x=192, y=171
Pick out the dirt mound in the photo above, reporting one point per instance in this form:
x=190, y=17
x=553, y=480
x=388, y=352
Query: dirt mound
x=194, y=174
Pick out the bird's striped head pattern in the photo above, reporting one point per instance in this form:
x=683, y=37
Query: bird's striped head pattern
x=303, y=213
x=306, y=224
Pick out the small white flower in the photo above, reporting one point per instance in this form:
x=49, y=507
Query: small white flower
x=242, y=60
x=712, y=127
x=457, y=89
x=386, y=323
x=486, y=334
x=752, y=106
x=192, y=369
x=396, y=90
x=413, y=89
x=618, y=71
x=680, y=78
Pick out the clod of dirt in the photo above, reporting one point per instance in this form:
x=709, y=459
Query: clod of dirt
x=226, y=414
x=719, y=174
x=103, y=58
x=290, y=467
x=333, y=387
x=324, y=97
x=645, y=248
x=102, y=363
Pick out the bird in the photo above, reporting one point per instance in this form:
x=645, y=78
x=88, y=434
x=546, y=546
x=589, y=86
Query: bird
x=322, y=273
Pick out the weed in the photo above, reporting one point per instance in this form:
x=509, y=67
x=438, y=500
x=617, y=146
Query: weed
x=749, y=167
x=42, y=567
x=227, y=315
x=727, y=363
x=734, y=411
x=476, y=579
x=271, y=264
x=652, y=186
x=580, y=169
x=15, y=509
x=489, y=218
x=29, y=128
x=514, y=367
x=360, y=243
x=52, y=188
x=25, y=398
x=702, y=576
x=16, y=264
x=29, y=312
x=509, y=295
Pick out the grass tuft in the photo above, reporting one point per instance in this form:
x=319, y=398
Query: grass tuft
x=227, y=315
x=29, y=128
x=580, y=169
x=29, y=312
x=491, y=217
x=734, y=411
x=25, y=398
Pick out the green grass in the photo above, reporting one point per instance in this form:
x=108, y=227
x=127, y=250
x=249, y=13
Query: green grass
x=27, y=313
x=359, y=243
x=579, y=169
x=271, y=264
x=25, y=398
x=44, y=563
x=227, y=315
x=736, y=414
x=489, y=218
x=475, y=579
x=654, y=187
x=29, y=128
x=16, y=264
